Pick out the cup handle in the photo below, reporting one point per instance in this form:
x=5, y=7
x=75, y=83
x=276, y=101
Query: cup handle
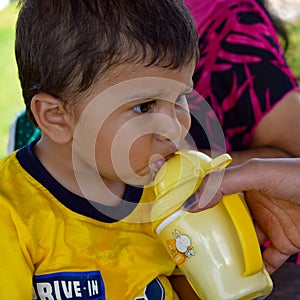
x=241, y=218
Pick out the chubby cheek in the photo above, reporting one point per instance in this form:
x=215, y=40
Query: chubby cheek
x=184, y=119
x=122, y=161
x=140, y=154
x=103, y=156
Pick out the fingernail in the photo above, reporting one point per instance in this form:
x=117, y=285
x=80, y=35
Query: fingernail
x=191, y=202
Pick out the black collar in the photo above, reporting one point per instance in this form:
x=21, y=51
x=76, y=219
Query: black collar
x=80, y=205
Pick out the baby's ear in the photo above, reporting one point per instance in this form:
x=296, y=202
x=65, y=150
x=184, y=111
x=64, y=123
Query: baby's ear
x=52, y=118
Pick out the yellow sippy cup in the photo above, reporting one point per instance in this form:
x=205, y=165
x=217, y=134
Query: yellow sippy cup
x=216, y=249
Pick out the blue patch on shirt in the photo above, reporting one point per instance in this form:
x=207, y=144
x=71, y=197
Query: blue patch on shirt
x=153, y=291
x=69, y=285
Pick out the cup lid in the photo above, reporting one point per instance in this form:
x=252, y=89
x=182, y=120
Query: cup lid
x=180, y=177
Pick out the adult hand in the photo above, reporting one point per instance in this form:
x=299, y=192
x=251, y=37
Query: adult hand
x=272, y=192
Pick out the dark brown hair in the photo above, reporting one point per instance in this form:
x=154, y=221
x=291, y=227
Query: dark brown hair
x=62, y=47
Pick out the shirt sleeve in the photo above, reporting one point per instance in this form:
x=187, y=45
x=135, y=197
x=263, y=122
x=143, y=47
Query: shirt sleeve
x=16, y=273
x=242, y=72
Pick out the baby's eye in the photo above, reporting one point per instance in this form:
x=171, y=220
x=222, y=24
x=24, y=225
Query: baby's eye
x=144, y=107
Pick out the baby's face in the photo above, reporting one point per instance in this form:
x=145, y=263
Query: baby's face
x=133, y=122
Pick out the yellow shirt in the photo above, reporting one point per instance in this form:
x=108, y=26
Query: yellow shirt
x=56, y=245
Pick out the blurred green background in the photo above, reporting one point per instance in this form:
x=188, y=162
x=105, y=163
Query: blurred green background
x=10, y=93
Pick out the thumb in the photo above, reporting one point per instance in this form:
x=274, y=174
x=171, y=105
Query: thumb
x=241, y=178
x=229, y=181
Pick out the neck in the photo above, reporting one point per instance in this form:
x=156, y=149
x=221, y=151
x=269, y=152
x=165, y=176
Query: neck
x=77, y=176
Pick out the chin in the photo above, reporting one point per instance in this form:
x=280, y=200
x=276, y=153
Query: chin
x=140, y=180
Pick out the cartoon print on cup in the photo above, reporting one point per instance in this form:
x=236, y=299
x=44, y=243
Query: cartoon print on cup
x=180, y=247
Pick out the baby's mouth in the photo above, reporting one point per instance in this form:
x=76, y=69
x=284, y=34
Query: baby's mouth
x=157, y=164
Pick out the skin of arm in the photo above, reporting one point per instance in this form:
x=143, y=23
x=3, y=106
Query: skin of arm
x=277, y=135
x=271, y=189
x=182, y=287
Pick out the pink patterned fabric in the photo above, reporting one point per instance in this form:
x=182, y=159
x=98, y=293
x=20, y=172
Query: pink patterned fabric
x=242, y=72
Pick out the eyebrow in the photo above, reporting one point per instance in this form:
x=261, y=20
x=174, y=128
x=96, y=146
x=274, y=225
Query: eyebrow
x=148, y=93
x=159, y=94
